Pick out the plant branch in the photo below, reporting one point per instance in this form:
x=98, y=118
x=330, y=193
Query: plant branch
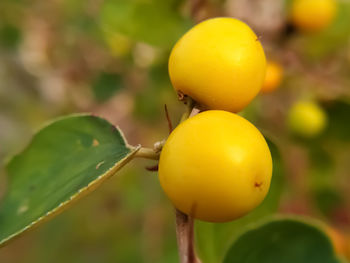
x=195, y=7
x=185, y=223
x=170, y=125
x=147, y=153
x=185, y=238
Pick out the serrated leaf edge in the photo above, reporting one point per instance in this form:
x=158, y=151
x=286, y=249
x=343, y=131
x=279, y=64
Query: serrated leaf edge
x=8, y=159
x=83, y=191
x=66, y=204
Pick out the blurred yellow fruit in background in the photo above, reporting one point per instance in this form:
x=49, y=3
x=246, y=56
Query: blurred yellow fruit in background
x=313, y=15
x=216, y=166
x=273, y=77
x=119, y=45
x=220, y=63
x=338, y=240
x=307, y=119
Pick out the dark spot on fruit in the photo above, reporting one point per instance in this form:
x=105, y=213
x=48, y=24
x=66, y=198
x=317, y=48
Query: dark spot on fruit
x=95, y=142
x=258, y=184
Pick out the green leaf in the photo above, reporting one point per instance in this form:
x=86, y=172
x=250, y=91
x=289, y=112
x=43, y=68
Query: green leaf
x=65, y=160
x=155, y=22
x=282, y=241
x=213, y=240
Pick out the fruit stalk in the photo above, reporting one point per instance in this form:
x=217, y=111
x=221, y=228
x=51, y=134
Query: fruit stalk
x=185, y=223
x=185, y=238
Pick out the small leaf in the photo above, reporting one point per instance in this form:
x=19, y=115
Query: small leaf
x=214, y=239
x=282, y=241
x=65, y=160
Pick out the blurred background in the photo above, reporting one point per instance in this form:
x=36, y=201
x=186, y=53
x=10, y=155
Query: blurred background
x=110, y=57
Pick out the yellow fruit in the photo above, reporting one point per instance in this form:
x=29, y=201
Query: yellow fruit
x=273, y=77
x=313, y=15
x=307, y=119
x=118, y=44
x=215, y=166
x=220, y=63
x=347, y=247
x=337, y=239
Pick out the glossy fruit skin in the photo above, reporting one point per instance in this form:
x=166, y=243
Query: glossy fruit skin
x=220, y=63
x=307, y=119
x=313, y=15
x=215, y=166
x=273, y=77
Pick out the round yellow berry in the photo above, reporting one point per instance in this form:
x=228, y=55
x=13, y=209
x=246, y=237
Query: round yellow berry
x=215, y=166
x=273, y=77
x=307, y=119
x=118, y=44
x=220, y=63
x=338, y=240
x=313, y=15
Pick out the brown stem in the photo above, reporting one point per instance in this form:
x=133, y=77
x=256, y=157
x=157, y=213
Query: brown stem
x=185, y=223
x=185, y=238
x=147, y=153
x=170, y=125
x=195, y=7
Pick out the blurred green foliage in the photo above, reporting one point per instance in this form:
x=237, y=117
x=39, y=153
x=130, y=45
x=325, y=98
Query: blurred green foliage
x=153, y=22
x=10, y=36
x=106, y=85
x=338, y=127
